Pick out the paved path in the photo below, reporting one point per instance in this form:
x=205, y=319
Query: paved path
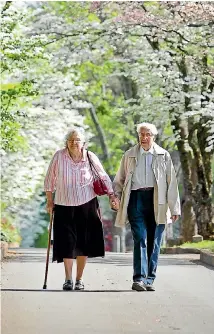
x=182, y=303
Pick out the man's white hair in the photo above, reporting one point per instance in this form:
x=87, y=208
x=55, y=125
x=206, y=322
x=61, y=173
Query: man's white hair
x=149, y=126
x=80, y=132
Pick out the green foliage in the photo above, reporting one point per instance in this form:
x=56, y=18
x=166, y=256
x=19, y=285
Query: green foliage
x=42, y=240
x=106, y=64
x=109, y=110
x=20, y=55
x=71, y=11
x=14, y=98
x=9, y=232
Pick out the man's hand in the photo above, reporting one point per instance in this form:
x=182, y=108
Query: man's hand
x=174, y=218
x=49, y=206
x=114, y=202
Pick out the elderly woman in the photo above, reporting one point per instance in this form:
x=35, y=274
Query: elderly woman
x=146, y=184
x=77, y=227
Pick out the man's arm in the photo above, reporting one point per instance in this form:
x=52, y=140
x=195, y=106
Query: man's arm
x=173, y=198
x=119, y=179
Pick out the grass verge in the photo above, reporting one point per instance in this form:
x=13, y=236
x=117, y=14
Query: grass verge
x=205, y=244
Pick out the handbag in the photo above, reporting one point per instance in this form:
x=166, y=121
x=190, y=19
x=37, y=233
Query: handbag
x=98, y=184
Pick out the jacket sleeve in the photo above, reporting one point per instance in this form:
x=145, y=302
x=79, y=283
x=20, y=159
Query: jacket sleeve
x=51, y=175
x=119, y=179
x=102, y=173
x=173, y=198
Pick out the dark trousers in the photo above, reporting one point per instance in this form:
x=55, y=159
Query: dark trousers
x=147, y=235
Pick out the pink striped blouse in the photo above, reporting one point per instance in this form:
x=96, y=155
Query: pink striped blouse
x=72, y=182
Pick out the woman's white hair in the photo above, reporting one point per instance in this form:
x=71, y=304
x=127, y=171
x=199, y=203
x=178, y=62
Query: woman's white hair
x=149, y=126
x=80, y=132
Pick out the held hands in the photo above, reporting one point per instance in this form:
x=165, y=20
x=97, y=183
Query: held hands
x=174, y=218
x=114, y=202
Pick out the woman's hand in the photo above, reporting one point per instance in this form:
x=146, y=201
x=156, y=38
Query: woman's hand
x=49, y=206
x=114, y=202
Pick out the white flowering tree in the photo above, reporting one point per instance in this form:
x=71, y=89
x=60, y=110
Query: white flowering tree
x=162, y=56
x=174, y=76
x=23, y=174
x=118, y=63
x=39, y=105
x=19, y=56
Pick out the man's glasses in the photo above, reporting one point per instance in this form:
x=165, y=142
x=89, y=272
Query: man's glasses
x=147, y=135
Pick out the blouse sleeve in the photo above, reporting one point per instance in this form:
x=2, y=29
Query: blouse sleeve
x=51, y=175
x=100, y=170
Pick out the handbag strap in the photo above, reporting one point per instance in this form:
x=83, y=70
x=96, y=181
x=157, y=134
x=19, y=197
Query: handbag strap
x=93, y=169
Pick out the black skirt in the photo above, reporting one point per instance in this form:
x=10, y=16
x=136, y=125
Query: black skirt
x=77, y=231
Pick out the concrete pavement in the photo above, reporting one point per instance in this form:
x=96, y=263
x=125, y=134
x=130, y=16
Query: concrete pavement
x=183, y=301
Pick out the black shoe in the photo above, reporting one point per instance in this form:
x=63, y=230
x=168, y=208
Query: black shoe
x=139, y=286
x=150, y=287
x=68, y=285
x=79, y=285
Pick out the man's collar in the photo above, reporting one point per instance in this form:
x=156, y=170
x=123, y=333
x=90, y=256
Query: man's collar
x=134, y=151
x=151, y=150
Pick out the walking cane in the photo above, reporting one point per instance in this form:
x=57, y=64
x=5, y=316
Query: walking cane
x=48, y=250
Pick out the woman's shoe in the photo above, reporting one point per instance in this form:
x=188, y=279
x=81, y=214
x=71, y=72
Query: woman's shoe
x=79, y=285
x=68, y=285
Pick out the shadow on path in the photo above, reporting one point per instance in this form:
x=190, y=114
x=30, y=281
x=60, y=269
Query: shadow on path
x=73, y=291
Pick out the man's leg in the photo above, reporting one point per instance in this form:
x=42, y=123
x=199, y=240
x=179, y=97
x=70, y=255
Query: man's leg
x=155, y=253
x=151, y=227
x=138, y=228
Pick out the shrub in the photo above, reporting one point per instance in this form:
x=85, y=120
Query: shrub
x=9, y=232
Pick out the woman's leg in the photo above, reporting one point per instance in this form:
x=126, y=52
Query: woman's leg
x=68, y=263
x=81, y=262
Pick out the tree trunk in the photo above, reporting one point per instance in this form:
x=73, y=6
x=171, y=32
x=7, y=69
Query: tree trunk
x=102, y=138
x=188, y=220
x=203, y=189
x=180, y=126
x=197, y=139
x=203, y=202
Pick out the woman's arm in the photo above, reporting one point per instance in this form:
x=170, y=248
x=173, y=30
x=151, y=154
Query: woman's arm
x=50, y=202
x=101, y=172
x=50, y=182
x=114, y=201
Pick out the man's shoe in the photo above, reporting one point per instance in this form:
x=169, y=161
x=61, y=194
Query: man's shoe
x=68, y=285
x=79, y=285
x=150, y=287
x=139, y=286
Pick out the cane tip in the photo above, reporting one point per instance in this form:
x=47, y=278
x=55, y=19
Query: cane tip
x=44, y=286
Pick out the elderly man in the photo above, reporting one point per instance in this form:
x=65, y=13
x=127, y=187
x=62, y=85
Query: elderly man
x=146, y=186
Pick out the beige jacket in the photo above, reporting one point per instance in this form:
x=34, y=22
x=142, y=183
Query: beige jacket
x=165, y=191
